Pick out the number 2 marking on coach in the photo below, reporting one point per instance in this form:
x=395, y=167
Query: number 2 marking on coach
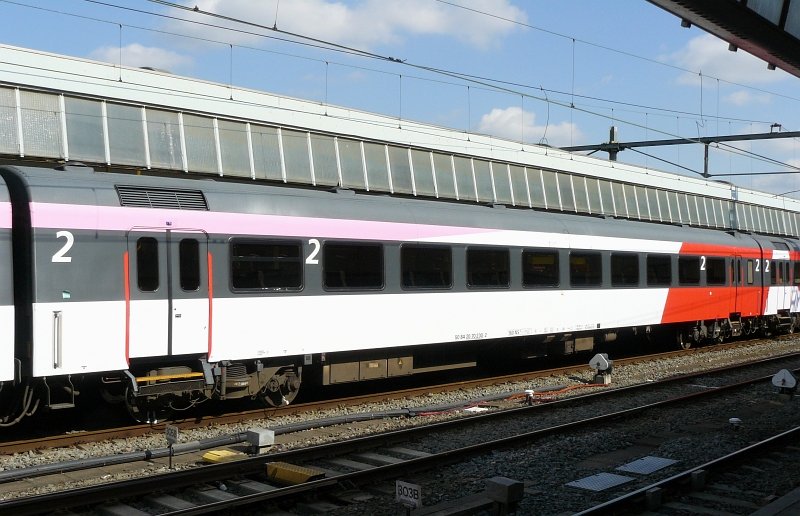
x=312, y=257
x=61, y=254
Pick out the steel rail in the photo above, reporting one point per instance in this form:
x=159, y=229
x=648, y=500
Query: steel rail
x=83, y=464
x=77, y=438
x=639, y=496
x=255, y=465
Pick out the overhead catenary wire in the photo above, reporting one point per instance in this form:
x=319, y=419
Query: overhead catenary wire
x=462, y=76
x=351, y=50
x=485, y=82
x=611, y=49
x=489, y=84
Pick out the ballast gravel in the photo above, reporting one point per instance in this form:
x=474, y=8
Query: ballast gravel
x=544, y=468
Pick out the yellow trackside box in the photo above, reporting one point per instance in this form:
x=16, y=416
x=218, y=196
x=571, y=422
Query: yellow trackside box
x=289, y=474
x=215, y=456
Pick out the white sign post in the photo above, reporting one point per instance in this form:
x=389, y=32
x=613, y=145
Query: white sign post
x=172, y=438
x=410, y=495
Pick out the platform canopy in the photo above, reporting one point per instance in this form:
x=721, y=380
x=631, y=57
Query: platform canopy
x=768, y=29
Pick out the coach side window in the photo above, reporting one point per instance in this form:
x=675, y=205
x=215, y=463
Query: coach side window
x=796, y=273
x=689, y=270
x=488, y=268
x=778, y=273
x=189, y=258
x=750, y=272
x=585, y=269
x=352, y=266
x=624, y=269
x=266, y=265
x=540, y=268
x=659, y=270
x=715, y=271
x=147, y=264
x=426, y=267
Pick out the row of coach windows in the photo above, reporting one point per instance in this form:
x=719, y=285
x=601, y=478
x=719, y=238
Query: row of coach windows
x=278, y=265
x=781, y=273
x=45, y=125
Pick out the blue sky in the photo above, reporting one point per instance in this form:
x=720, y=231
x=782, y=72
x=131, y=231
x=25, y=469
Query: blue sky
x=623, y=62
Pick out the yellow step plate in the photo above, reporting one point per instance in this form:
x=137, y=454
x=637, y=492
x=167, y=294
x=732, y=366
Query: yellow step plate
x=215, y=456
x=289, y=474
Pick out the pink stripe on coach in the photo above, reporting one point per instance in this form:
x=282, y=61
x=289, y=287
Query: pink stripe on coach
x=5, y=214
x=111, y=218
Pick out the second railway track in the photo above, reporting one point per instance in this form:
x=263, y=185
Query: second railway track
x=715, y=356
x=413, y=454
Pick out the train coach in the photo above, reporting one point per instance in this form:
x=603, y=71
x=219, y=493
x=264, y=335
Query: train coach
x=164, y=292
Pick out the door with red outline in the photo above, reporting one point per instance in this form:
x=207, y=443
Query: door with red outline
x=168, y=295
x=737, y=279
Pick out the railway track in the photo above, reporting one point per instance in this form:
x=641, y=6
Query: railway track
x=347, y=466
x=80, y=437
x=721, y=484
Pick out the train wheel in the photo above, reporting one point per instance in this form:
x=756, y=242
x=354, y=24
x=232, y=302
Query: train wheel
x=281, y=389
x=682, y=340
x=145, y=409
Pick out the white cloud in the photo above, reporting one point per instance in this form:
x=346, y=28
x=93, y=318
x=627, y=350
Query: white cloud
x=778, y=183
x=710, y=55
x=745, y=98
x=513, y=122
x=364, y=24
x=137, y=55
x=784, y=146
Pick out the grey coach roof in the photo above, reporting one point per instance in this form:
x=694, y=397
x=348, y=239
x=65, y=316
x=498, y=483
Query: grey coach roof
x=63, y=108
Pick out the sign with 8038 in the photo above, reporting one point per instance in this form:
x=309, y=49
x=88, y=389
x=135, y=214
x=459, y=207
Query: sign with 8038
x=407, y=494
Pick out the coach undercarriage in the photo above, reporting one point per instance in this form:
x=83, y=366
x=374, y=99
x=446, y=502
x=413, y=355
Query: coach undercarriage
x=719, y=330
x=156, y=394
x=17, y=402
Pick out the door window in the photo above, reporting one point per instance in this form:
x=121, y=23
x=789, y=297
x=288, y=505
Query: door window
x=189, y=258
x=147, y=264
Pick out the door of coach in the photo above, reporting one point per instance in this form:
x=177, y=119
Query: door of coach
x=737, y=278
x=168, y=296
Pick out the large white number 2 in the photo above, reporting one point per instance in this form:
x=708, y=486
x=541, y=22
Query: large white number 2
x=61, y=254
x=312, y=256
